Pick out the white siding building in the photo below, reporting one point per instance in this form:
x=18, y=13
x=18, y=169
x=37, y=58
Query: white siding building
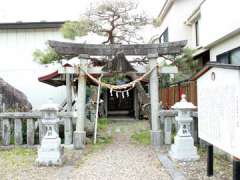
x=212, y=27
x=17, y=44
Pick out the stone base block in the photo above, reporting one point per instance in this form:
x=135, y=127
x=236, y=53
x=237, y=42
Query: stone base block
x=183, y=149
x=156, y=138
x=79, y=139
x=50, y=152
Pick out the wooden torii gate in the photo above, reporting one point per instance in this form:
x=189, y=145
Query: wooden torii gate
x=84, y=51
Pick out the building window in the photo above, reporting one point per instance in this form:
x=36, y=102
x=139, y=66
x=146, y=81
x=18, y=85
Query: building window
x=164, y=37
x=230, y=57
x=197, y=33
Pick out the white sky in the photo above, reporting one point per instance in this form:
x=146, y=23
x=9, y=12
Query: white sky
x=57, y=10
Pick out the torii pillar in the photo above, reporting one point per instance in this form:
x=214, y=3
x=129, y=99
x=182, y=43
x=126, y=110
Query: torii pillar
x=154, y=100
x=79, y=136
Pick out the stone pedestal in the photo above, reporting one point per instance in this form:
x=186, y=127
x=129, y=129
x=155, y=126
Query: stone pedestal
x=79, y=139
x=50, y=152
x=156, y=138
x=183, y=149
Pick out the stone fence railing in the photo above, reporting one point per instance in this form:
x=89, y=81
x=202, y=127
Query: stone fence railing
x=167, y=119
x=13, y=122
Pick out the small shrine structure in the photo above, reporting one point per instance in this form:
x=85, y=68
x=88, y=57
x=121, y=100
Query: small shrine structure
x=127, y=96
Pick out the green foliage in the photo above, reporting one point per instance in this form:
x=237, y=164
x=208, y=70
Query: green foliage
x=103, y=124
x=187, y=66
x=142, y=137
x=17, y=157
x=71, y=29
x=46, y=56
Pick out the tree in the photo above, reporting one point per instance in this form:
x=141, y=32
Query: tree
x=47, y=56
x=117, y=20
x=187, y=67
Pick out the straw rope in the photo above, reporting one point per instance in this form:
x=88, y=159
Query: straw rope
x=119, y=88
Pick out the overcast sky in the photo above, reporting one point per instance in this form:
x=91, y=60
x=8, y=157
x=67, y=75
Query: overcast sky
x=57, y=10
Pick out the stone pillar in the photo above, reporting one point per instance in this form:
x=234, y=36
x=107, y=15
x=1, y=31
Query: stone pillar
x=154, y=101
x=6, y=132
x=30, y=132
x=68, y=121
x=80, y=135
x=167, y=130
x=18, y=131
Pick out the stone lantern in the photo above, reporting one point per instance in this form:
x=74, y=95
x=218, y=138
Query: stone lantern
x=50, y=152
x=183, y=148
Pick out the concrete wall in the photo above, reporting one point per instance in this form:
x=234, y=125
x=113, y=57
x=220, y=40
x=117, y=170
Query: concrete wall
x=218, y=18
x=224, y=46
x=175, y=19
x=18, y=68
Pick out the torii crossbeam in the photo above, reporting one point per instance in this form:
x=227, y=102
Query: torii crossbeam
x=83, y=51
x=74, y=49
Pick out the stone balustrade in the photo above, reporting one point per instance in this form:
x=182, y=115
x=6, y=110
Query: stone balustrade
x=12, y=126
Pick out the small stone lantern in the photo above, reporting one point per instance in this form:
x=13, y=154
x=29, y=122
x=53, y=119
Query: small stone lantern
x=50, y=152
x=183, y=148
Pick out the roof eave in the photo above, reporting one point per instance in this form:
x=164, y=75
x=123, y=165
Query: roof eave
x=165, y=9
x=195, y=14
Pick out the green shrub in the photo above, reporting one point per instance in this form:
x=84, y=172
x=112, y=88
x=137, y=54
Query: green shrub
x=142, y=137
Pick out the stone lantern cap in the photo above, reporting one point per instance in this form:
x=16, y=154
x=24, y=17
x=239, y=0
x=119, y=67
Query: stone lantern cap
x=183, y=104
x=50, y=106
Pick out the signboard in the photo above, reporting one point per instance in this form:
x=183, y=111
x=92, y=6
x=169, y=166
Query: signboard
x=219, y=109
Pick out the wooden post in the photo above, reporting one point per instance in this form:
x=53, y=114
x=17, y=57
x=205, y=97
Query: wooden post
x=210, y=160
x=97, y=109
x=80, y=134
x=106, y=103
x=154, y=100
x=136, y=104
x=6, y=130
x=68, y=121
x=236, y=169
x=30, y=131
x=18, y=131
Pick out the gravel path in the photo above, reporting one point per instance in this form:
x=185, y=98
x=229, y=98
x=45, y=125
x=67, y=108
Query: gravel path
x=122, y=160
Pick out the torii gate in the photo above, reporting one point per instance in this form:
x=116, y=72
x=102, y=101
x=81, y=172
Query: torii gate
x=84, y=51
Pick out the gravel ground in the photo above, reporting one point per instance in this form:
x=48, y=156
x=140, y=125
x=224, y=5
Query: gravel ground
x=197, y=170
x=122, y=159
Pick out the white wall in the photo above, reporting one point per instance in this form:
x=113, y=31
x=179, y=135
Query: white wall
x=218, y=18
x=218, y=109
x=18, y=68
x=175, y=19
x=224, y=46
